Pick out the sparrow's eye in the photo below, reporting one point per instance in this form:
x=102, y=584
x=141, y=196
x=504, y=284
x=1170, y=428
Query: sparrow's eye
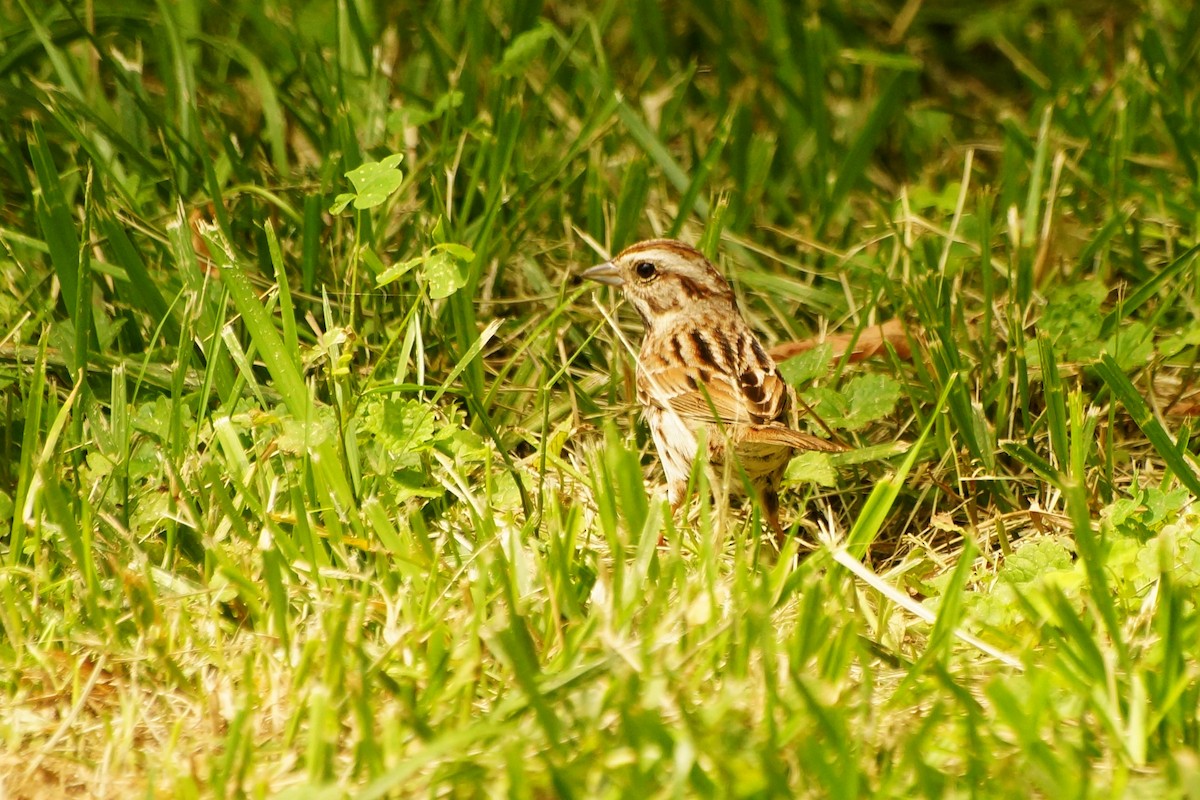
x=645, y=270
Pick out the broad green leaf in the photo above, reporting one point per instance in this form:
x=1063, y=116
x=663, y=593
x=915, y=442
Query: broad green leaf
x=871, y=398
x=414, y=116
x=1072, y=319
x=1132, y=346
x=340, y=202
x=396, y=271
x=806, y=366
x=1034, y=559
x=459, y=251
x=444, y=275
x=524, y=49
x=811, y=467
x=374, y=182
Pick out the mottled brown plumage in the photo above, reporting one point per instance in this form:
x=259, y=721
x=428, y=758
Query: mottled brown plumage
x=702, y=373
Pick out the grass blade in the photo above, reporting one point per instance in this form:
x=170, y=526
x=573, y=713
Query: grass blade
x=1168, y=449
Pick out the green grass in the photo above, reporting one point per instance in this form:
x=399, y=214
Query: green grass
x=323, y=471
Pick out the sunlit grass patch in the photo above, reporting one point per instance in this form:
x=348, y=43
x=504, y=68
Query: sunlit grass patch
x=324, y=474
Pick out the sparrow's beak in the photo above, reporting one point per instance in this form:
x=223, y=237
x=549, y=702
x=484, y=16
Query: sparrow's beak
x=603, y=273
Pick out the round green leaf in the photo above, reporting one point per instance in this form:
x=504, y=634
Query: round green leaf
x=443, y=275
x=374, y=182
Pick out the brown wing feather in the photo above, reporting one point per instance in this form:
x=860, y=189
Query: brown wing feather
x=719, y=399
x=673, y=388
x=722, y=377
x=772, y=397
x=778, y=434
x=734, y=401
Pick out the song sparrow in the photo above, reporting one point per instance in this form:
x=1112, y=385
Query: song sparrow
x=702, y=375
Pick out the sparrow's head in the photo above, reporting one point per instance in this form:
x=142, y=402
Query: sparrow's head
x=665, y=279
